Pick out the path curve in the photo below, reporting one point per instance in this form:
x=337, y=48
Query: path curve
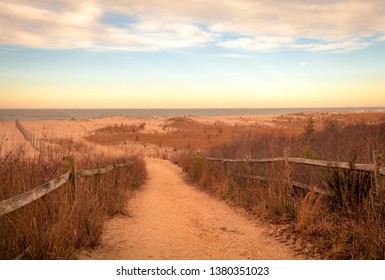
x=170, y=219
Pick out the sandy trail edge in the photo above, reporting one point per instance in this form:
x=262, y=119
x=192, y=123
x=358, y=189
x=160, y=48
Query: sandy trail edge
x=172, y=220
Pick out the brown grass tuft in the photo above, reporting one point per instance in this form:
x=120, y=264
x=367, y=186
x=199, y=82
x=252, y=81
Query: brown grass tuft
x=349, y=225
x=52, y=228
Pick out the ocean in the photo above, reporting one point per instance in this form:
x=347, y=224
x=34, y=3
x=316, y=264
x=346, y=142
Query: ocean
x=60, y=114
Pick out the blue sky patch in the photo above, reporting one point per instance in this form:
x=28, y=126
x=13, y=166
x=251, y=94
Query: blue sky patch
x=118, y=19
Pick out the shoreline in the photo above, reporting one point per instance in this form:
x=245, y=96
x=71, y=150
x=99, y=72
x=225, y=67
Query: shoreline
x=163, y=130
x=83, y=114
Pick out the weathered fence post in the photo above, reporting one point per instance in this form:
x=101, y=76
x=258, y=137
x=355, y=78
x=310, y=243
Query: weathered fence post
x=287, y=169
x=115, y=172
x=37, y=144
x=378, y=159
x=33, y=142
x=97, y=176
x=68, y=163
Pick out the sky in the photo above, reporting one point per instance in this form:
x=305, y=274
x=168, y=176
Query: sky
x=192, y=53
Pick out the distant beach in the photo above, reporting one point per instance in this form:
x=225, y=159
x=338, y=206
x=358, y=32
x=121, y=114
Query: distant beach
x=63, y=114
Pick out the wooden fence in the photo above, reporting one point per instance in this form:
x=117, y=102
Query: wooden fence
x=36, y=142
x=377, y=168
x=70, y=175
x=68, y=178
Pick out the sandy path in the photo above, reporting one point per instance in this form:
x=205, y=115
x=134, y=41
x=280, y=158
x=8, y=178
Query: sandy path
x=172, y=220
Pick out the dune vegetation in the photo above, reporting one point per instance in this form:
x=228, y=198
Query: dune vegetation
x=54, y=227
x=347, y=225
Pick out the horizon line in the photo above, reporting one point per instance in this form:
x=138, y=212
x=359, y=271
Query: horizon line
x=196, y=108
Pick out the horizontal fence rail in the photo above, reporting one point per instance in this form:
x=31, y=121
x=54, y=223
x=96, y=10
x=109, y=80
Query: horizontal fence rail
x=312, y=188
x=14, y=203
x=377, y=168
x=314, y=162
x=293, y=183
x=21, y=200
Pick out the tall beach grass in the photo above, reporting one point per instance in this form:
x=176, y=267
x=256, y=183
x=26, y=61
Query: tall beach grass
x=52, y=227
x=348, y=225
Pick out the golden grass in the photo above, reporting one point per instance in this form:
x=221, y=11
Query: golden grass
x=349, y=225
x=336, y=226
x=182, y=134
x=52, y=228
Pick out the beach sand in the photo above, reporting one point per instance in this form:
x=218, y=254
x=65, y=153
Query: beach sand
x=76, y=131
x=146, y=234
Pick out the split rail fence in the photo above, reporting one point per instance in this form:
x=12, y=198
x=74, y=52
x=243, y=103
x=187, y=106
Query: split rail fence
x=68, y=179
x=378, y=168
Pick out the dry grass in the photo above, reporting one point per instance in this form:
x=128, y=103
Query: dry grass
x=350, y=225
x=66, y=145
x=296, y=120
x=182, y=133
x=122, y=128
x=52, y=228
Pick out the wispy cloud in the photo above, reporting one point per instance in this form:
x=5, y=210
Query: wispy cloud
x=262, y=43
x=151, y=25
x=340, y=46
x=381, y=39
